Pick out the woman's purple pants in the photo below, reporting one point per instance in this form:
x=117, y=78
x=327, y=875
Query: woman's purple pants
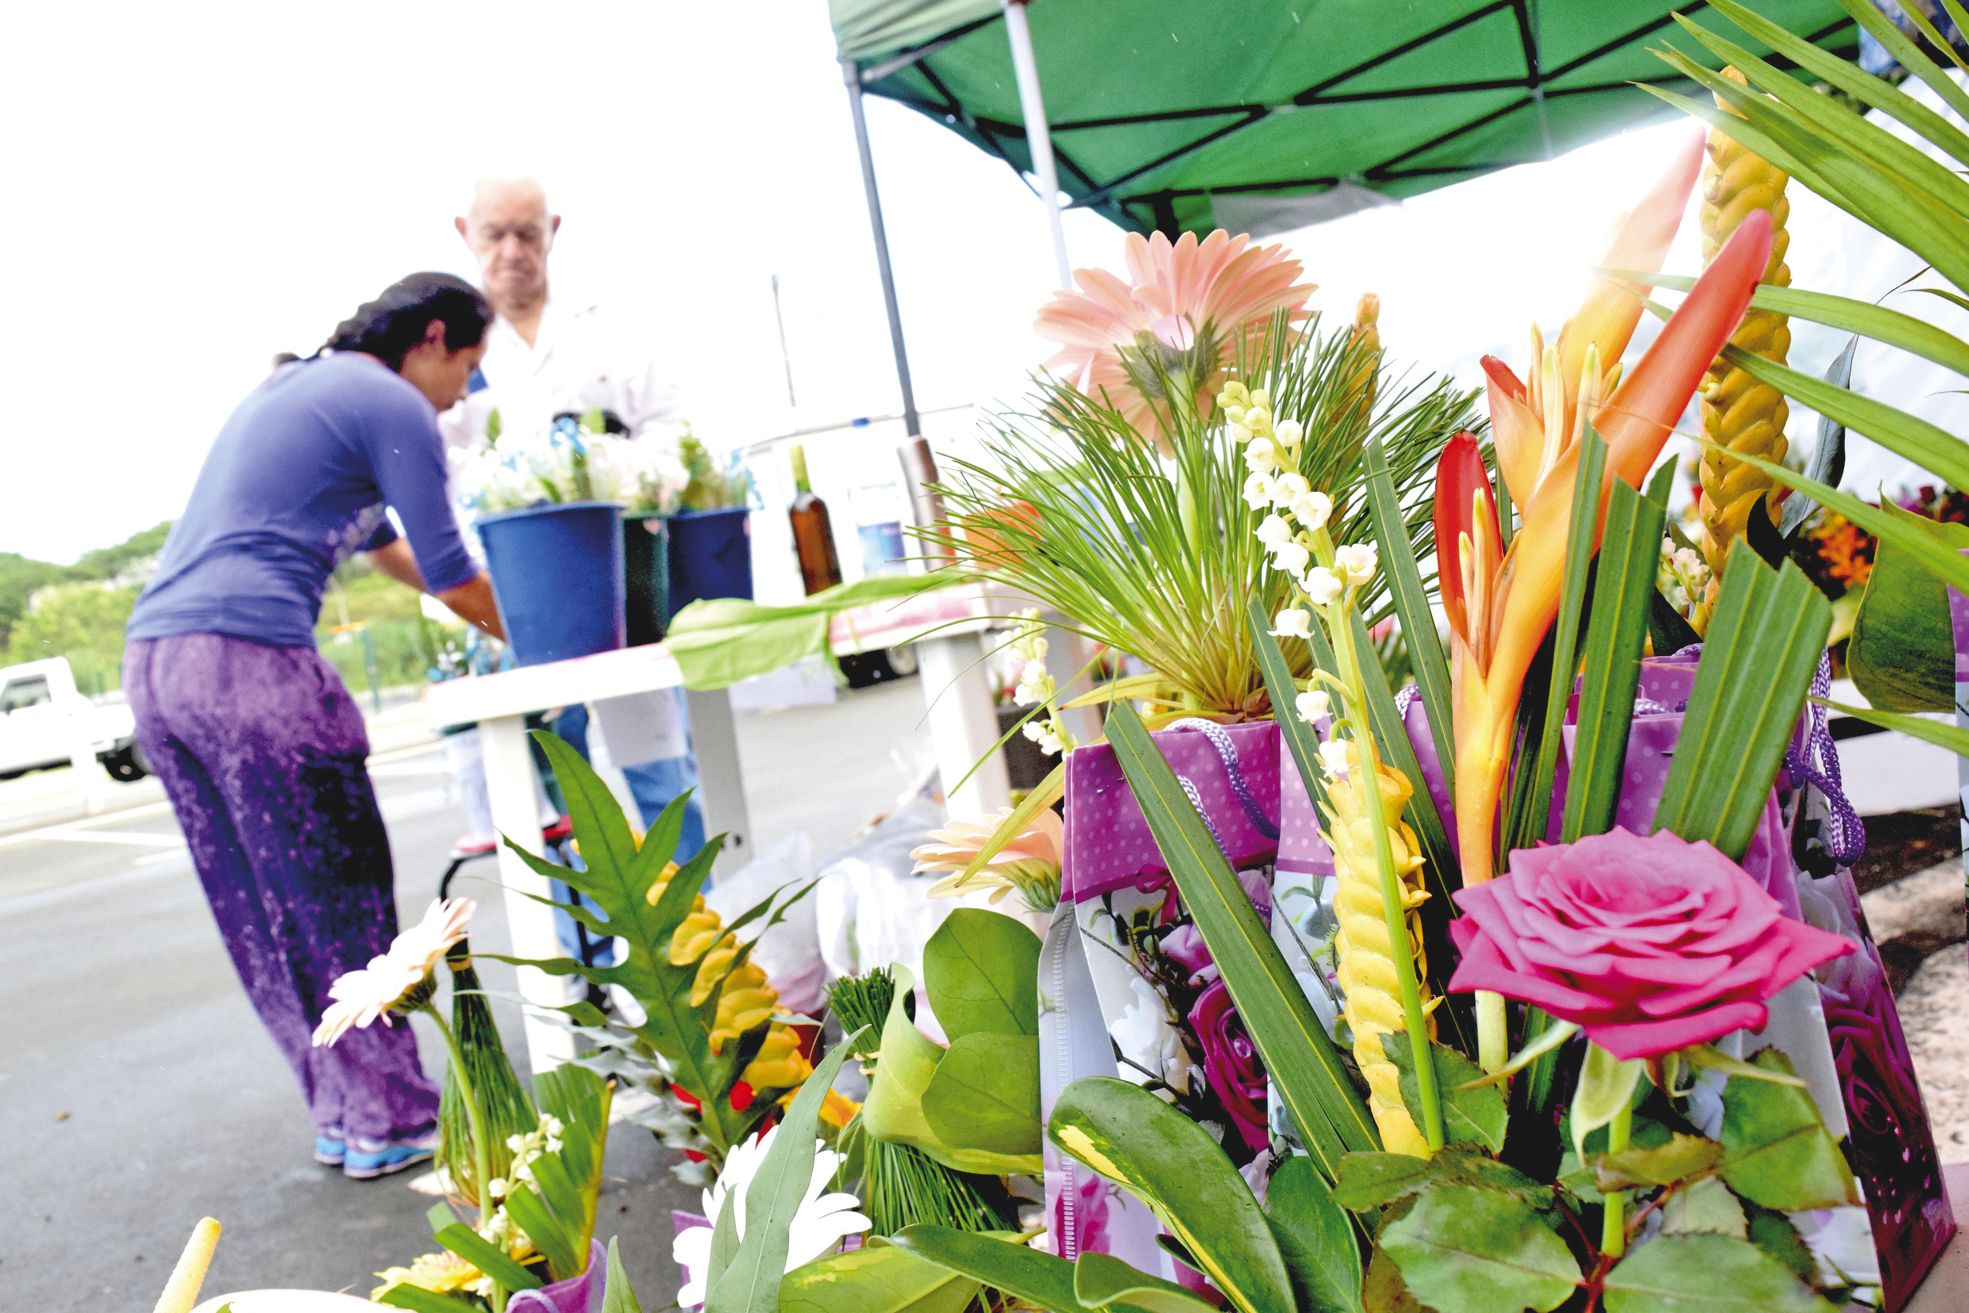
x=263, y=754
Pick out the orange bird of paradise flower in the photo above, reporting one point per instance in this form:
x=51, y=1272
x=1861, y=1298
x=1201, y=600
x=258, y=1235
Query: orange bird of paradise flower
x=1501, y=603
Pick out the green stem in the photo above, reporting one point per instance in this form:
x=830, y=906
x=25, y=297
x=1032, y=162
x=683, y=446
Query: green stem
x=475, y=1118
x=1493, y=1031
x=1394, y=914
x=1613, y=1222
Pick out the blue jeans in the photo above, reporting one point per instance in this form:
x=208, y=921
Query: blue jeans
x=654, y=785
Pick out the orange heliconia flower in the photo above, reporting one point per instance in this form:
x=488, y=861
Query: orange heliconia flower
x=1500, y=603
x=1185, y=305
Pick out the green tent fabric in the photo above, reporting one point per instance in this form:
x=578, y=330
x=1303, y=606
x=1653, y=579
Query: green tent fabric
x=1162, y=108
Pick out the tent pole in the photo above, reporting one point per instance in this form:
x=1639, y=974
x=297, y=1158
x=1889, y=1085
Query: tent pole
x=1039, y=136
x=919, y=465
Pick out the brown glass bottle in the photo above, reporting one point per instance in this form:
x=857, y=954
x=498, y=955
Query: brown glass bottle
x=813, y=532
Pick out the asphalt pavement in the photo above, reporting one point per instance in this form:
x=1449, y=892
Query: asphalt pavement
x=139, y=1092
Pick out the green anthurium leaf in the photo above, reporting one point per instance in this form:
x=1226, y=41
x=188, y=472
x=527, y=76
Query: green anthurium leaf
x=877, y=1278
x=751, y=1283
x=1302, y=1061
x=1902, y=653
x=981, y=969
x=618, y=1296
x=1758, y=658
x=719, y=641
x=1315, y=1237
x=1102, y=1281
x=1682, y=1157
x=1704, y=1208
x=985, y=1093
x=1004, y=1263
x=894, y=1109
x=1374, y=1180
x=1480, y=1251
x=1776, y=1149
x=1606, y=1089
x=1472, y=1114
x=1705, y=1274
x=1169, y=1162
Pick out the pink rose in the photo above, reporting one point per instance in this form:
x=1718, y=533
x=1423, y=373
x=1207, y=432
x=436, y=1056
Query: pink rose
x=1231, y=1066
x=1650, y=945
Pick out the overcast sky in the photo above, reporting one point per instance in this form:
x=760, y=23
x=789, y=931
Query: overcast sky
x=199, y=186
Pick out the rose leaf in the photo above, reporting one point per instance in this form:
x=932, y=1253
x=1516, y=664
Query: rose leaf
x=1776, y=1149
x=1705, y=1274
x=1705, y=1208
x=1470, y=1116
x=1479, y=1251
x=1775, y=1235
x=1373, y=1180
x=1682, y=1157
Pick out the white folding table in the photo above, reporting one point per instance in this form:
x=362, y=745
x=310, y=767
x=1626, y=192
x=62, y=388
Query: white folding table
x=947, y=627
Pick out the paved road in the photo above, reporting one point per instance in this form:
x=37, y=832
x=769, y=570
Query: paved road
x=139, y=1093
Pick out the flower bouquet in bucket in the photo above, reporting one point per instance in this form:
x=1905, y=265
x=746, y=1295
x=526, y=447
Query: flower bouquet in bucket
x=571, y=520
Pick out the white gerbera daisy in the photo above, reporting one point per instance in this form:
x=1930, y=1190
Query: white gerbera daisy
x=821, y=1223
x=403, y=971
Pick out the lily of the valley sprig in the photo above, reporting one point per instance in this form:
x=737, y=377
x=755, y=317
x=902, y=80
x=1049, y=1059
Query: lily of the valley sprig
x=1501, y=603
x=1375, y=856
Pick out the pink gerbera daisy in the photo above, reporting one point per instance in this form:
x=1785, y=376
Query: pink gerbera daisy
x=1187, y=306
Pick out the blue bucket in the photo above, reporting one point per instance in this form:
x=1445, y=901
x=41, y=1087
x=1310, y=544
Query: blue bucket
x=710, y=556
x=557, y=574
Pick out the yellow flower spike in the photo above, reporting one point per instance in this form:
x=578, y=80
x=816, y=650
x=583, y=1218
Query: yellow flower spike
x=747, y=999
x=695, y=935
x=1738, y=412
x=778, y=1064
x=1367, y=972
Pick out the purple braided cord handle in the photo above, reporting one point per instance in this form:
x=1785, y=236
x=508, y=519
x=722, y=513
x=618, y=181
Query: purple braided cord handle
x=1196, y=801
x=1819, y=764
x=1227, y=752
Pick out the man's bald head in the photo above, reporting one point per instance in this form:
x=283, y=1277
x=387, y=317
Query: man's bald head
x=510, y=230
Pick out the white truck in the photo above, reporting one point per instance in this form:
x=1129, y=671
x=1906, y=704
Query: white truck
x=46, y=721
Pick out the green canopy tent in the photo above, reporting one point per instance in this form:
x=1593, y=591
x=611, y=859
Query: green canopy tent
x=1185, y=115
x=1159, y=108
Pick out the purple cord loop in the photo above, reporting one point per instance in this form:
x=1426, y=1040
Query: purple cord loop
x=1227, y=752
x=1405, y=698
x=1196, y=801
x=1818, y=764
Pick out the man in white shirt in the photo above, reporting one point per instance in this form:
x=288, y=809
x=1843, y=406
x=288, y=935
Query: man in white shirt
x=542, y=361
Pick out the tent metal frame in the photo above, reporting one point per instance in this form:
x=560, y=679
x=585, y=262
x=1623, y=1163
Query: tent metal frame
x=1111, y=198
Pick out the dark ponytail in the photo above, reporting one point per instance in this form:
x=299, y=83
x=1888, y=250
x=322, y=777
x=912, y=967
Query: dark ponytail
x=396, y=321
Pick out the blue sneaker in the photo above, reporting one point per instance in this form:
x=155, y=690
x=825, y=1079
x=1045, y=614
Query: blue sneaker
x=330, y=1149
x=365, y=1160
